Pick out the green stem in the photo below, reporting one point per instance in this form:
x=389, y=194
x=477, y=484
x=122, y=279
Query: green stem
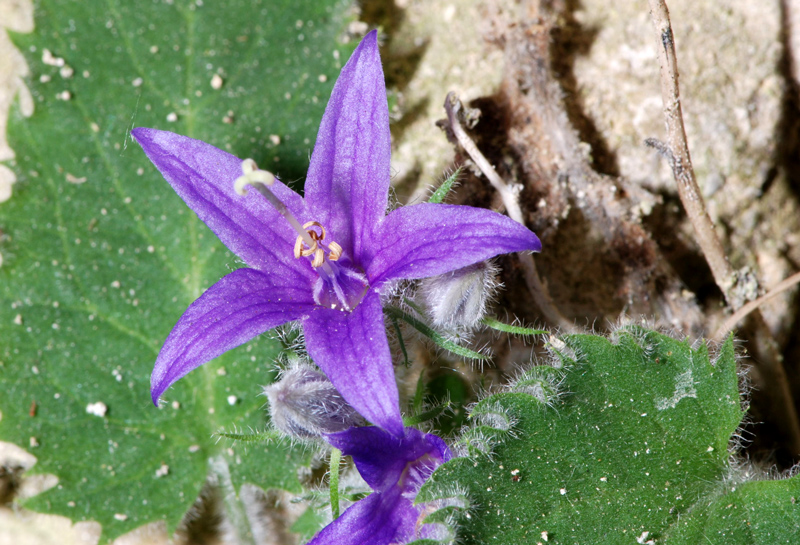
x=425, y=329
x=420, y=392
x=400, y=341
x=426, y=416
x=513, y=329
x=336, y=458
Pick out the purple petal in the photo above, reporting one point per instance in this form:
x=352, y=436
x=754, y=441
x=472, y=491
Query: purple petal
x=348, y=179
x=203, y=176
x=382, y=458
x=240, y=306
x=378, y=519
x=430, y=239
x=352, y=350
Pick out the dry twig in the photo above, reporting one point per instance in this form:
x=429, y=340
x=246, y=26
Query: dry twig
x=728, y=325
x=452, y=105
x=767, y=356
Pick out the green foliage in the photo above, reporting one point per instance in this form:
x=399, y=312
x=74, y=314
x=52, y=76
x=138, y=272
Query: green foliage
x=442, y=191
x=636, y=442
x=101, y=257
x=440, y=340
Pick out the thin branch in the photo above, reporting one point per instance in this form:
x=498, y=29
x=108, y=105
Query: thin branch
x=541, y=296
x=728, y=325
x=767, y=354
x=681, y=162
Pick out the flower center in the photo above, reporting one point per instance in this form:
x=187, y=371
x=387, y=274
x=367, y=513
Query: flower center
x=340, y=285
x=317, y=249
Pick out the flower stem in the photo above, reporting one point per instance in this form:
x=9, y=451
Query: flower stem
x=336, y=458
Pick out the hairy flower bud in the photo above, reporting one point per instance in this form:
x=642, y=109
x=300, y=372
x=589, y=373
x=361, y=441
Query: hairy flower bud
x=457, y=300
x=304, y=404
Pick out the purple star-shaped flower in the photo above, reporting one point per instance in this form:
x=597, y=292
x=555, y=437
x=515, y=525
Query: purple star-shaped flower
x=332, y=275
x=395, y=468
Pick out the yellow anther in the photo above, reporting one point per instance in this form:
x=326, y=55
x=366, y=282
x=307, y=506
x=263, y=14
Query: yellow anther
x=313, y=234
x=336, y=251
x=299, y=251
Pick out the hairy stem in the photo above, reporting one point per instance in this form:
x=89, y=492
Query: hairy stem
x=336, y=458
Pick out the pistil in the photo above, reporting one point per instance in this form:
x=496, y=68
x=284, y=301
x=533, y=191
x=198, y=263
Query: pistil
x=342, y=280
x=260, y=180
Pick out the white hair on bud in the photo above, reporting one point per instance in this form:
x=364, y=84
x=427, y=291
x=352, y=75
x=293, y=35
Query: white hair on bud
x=457, y=300
x=304, y=404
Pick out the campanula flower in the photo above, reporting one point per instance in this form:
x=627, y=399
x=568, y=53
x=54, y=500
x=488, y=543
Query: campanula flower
x=395, y=468
x=323, y=259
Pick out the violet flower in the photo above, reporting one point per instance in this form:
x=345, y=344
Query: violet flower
x=395, y=468
x=358, y=251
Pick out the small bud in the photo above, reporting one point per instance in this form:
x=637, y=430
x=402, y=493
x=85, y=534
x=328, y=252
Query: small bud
x=457, y=300
x=304, y=404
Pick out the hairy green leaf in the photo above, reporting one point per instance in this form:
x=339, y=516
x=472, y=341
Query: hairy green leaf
x=635, y=447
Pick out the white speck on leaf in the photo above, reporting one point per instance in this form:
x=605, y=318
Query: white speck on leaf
x=51, y=60
x=75, y=180
x=97, y=409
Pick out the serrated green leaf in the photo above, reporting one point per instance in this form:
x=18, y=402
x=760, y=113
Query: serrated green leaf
x=637, y=440
x=759, y=512
x=101, y=257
